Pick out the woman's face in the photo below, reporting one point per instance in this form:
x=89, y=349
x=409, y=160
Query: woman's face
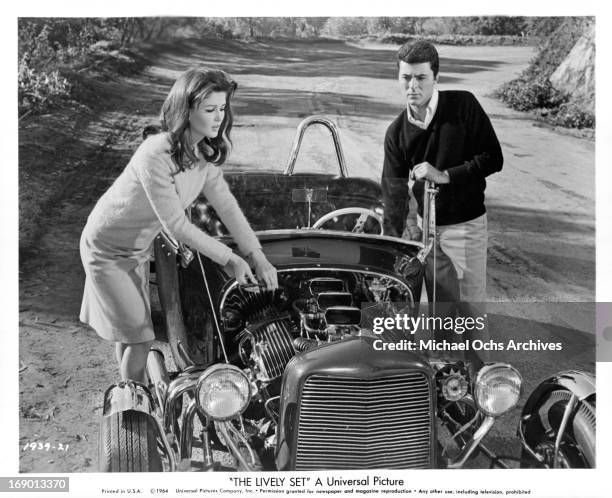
x=205, y=119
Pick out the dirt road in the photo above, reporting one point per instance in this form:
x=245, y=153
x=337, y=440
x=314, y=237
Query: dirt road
x=541, y=207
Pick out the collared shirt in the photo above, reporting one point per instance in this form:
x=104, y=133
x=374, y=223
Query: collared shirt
x=429, y=114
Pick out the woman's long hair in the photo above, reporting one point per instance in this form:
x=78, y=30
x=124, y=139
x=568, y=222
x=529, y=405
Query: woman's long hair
x=191, y=87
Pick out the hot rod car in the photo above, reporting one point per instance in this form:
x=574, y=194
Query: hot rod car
x=292, y=379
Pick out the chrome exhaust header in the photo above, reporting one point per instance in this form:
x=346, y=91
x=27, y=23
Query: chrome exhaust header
x=158, y=375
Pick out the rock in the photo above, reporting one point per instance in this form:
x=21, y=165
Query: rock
x=576, y=74
x=103, y=45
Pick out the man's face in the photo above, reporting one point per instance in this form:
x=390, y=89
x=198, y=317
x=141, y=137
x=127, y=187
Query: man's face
x=417, y=81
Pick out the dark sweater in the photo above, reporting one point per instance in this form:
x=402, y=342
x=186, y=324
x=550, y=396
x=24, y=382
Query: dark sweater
x=460, y=140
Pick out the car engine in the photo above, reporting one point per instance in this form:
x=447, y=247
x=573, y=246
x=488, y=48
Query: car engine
x=266, y=329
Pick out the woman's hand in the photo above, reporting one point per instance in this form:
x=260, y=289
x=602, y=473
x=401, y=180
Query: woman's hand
x=266, y=273
x=240, y=269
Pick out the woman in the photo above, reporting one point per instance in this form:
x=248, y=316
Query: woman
x=164, y=176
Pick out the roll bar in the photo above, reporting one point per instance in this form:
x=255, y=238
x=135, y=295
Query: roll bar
x=297, y=142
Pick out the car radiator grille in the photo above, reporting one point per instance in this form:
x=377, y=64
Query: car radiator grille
x=352, y=423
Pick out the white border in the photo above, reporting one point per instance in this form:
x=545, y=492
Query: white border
x=546, y=483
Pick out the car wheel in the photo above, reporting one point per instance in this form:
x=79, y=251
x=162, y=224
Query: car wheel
x=577, y=446
x=128, y=443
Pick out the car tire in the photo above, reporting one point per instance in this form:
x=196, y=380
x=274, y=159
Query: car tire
x=128, y=443
x=577, y=448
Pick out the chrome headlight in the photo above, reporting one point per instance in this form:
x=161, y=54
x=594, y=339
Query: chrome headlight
x=497, y=388
x=223, y=392
x=454, y=387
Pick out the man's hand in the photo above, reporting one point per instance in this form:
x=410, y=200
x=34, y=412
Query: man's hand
x=425, y=171
x=412, y=230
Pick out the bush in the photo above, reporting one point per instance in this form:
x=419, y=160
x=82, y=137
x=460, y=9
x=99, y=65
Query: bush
x=39, y=90
x=524, y=95
x=573, y=115
x=346, y=26
x=532, y=90
x=457, y=39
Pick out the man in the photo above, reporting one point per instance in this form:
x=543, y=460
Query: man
x=444, y=137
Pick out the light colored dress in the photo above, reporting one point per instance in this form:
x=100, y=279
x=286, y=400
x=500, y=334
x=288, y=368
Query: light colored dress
x=117, y=240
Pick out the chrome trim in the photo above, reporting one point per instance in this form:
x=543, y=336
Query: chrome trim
x=158, y=375
x=569, y=408
x=469, y=400
x=167, y=446
x=126, y=396
x=297, y=142
x=184, y=355
x=209, y=461
x=176, y=389
x=352, y=422
x=576, y=383
x=480, y=433
x=424, y=252
x=177, y=248
x=186, y=441
x=521, y=433
x=338, y=233
x=168, y=242
x=229, y=432
x=429, y=211
x=580, y=383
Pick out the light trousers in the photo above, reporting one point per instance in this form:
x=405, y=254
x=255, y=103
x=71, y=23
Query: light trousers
x=460, y=274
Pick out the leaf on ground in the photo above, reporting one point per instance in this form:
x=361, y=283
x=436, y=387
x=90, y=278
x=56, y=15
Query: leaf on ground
x=50, y=413
x=31, y=412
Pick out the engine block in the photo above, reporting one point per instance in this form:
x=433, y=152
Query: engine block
x=267, y=347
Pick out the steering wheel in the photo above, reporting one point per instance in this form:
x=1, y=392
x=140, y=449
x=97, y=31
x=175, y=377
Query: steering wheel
x=363, y=213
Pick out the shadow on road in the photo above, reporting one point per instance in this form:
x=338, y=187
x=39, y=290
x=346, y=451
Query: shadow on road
x=514, y=218
x=325, y=58
x=295, y=103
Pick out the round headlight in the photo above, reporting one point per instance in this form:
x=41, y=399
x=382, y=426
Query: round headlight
x=497, y=389
x=223, y=392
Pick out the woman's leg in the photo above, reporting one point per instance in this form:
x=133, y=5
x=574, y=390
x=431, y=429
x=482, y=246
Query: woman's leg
x=133, y=360
x=119, y=349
